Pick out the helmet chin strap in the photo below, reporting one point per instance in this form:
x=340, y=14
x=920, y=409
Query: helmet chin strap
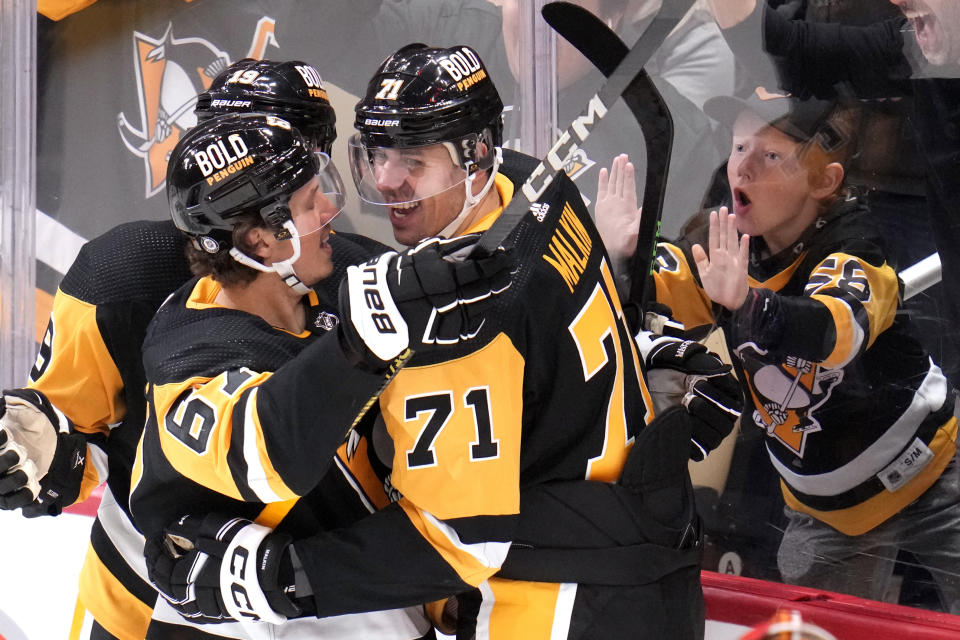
x=284, y=268
x=472, y=200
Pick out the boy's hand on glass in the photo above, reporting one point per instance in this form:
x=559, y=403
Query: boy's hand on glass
x=616, y=211
x=723, y=273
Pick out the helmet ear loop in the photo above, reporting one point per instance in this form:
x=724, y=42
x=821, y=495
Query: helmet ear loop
x=284, y=268
x=470, y=200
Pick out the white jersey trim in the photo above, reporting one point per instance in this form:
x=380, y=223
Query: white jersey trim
x=98, y=458
x=489, y=554
x=256, y=474
x=124, y=536
x=563, y=611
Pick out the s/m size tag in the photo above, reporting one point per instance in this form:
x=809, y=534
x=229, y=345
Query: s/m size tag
x=908, y=464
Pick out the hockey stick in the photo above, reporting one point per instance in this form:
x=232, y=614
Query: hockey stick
x=622, y=72
x=602, y=47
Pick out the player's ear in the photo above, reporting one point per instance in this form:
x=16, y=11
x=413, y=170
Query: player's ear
x=827, y=181
x=259, y=240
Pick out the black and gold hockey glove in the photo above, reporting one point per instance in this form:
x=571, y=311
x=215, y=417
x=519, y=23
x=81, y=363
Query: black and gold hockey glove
x=218, y=568
x=684, y=372
x=431, y=295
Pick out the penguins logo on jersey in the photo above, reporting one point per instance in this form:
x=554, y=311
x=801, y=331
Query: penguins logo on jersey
x=787, y=395
x=171, y=71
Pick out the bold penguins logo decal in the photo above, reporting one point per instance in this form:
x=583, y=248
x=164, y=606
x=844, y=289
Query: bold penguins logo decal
x=171, y=72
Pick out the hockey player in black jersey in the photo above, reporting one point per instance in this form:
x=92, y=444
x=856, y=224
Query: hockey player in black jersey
x=244, y=364
x=491, y=440
x=859, y=421
x=88, y=376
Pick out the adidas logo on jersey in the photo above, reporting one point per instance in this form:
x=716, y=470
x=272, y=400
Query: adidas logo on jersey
x=539, y=210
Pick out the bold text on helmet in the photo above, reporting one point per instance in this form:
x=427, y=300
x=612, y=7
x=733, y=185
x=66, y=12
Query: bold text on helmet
x=230, y=169
x=310, y=76
x=471, y=80
x=217, y=156
x=460, y=64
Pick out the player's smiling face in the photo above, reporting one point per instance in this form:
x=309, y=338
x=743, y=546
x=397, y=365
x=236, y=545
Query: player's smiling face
x=936, y=26
x=770, y=187
x=404, y=176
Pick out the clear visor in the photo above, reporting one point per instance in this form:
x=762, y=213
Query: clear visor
x=391, y=176
x=314, y=205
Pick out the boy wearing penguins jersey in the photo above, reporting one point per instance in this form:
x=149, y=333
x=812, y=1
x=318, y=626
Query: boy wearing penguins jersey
x=859, y=420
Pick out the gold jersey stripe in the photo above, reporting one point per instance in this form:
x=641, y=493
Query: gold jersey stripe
x=116, y=609
x=359, y=468
x=780, y=280
x=504, y=188
x=849, y=334
x=275, y=512
x=528, y=610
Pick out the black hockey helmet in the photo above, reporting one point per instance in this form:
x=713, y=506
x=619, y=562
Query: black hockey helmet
x=424, y=96
x=291, y=89
x=250, y=163
x=241, y=163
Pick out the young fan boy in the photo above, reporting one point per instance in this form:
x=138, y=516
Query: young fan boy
x=858, y=419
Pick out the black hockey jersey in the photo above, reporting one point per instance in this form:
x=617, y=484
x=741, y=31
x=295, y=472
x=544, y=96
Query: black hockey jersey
x=856, y=414
x=221, y=384
x=89, y=367
x=551, y=390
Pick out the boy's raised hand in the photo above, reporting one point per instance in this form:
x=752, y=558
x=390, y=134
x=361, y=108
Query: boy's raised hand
x=616, y=211
x=723, y=273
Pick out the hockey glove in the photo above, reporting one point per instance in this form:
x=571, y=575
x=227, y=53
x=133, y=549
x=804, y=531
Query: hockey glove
x=41, y=462
x=432, y=294
x=686, y=372
x=217, y=569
